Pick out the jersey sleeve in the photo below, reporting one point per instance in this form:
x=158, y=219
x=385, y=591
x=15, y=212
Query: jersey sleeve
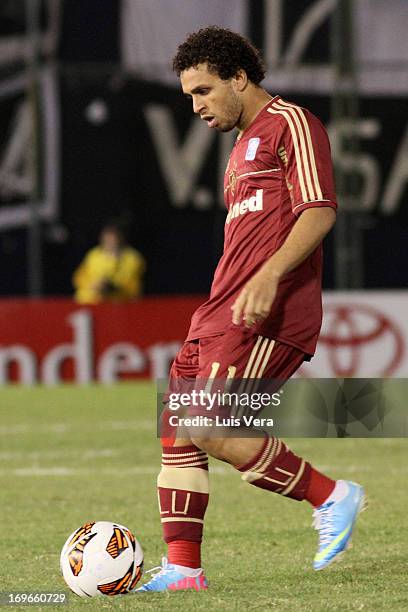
x=304, y=154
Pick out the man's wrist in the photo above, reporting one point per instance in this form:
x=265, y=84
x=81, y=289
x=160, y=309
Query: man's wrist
x=273, y=270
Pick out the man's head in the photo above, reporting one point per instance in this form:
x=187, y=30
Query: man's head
x=111, y=238
x=218, y=68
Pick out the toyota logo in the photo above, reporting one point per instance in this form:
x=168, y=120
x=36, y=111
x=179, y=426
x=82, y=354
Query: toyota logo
x=356, y=336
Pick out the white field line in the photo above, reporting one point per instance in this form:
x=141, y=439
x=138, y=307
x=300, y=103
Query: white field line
x=37, y=471
x=25, y=428
x=134, y=425
x=58, y=454
x=68, y=471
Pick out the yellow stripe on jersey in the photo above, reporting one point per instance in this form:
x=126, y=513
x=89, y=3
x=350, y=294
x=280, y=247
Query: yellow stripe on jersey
x=319, y=195
x=301, y=143
x=303, y=146
x=288, y=118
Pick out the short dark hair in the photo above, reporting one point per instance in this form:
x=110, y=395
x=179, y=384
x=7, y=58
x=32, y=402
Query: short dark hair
x=224, y=51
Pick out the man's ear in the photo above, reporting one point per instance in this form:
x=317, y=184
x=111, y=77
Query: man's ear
x=240, y=80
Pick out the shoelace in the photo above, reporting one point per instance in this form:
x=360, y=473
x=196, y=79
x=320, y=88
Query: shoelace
x=164, y=568
x=323, y=522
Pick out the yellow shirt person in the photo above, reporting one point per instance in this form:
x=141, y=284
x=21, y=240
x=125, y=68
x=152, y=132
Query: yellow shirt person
x=110, y=272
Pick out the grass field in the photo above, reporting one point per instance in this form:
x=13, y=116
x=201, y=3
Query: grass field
x=69, y=455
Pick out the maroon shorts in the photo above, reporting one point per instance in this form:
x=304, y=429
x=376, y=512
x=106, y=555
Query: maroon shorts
x=250, y=355
x=236, y=356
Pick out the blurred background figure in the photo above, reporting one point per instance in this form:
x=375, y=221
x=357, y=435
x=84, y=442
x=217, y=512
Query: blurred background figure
x=111, y=271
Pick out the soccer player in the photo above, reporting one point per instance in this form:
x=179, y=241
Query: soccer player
x=264, y=313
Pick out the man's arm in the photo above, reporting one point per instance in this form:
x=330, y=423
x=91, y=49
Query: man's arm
x=255, y=301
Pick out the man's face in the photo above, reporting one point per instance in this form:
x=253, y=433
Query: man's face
x=110, y=240
x=215, y=100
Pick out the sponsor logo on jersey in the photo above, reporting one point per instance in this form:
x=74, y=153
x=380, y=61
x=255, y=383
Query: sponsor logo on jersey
x=252, y=204
x=253, y=145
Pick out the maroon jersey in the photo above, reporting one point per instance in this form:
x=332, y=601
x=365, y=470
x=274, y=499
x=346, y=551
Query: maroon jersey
x=280, y=166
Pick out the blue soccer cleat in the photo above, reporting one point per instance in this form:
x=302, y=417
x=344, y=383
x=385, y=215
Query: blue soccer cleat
x=335, y=520
x=170, y=578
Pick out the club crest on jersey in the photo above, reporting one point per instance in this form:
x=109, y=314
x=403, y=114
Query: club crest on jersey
x=252, y=148
x=252, y=204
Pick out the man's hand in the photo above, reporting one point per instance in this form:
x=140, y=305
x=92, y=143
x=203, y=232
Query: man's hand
x=255, y=301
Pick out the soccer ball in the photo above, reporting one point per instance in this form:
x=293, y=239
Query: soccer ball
x=101, y=558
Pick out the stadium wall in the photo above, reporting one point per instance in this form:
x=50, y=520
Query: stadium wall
x=364, y=334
